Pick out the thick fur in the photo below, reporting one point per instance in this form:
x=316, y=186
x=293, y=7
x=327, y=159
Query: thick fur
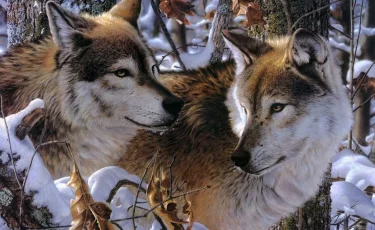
x=89, y=103
x=286, y=151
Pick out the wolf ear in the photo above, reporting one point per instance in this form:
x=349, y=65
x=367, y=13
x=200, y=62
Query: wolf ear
x=306, y=51
x=65, y=27
x=128, y=10
x=243, y=47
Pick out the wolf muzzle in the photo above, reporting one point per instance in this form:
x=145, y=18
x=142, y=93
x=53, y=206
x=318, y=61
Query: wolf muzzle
x=173, y=105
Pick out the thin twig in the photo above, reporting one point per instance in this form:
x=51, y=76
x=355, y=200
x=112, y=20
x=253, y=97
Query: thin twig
x=368, y=99
x=140, y=185
x=363, y=78
x=32, y=158
x=11, y=157
x=312, y=12
x=166, y=34
x=352, y=57
x=287, y=15
x=119, y=185
x=161, y=203
x=355, y=223
x=340, y=32
x=170, y=177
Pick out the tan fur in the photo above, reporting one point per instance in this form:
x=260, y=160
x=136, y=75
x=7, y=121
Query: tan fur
x=203, y=142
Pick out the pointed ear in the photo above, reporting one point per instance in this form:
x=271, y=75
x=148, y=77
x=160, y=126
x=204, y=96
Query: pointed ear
x=128, y=10
x=243, y=47
x=306, y=50
x=66, y=27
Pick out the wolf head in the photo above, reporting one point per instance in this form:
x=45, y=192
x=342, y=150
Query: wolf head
x=106, y=74
x=288, y=99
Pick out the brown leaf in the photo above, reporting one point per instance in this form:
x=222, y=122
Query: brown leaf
x=102, y=213
x=177, y=9
x=254, y=15
x=186, y=209
x=367, y=84
x=84, y=210
x=239, y=6
x=157, y=195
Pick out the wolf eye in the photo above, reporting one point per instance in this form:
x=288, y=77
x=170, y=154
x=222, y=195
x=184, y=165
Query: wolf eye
x=122, y=73
x=277, y=107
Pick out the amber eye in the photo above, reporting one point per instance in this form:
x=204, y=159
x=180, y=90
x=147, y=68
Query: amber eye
x=122, y=73
x=277, y=108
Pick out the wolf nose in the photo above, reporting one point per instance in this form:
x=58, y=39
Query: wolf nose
x=240, y=158
x=173, y=105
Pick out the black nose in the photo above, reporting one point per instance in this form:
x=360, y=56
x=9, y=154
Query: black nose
x=173, y=105
x=240, y=157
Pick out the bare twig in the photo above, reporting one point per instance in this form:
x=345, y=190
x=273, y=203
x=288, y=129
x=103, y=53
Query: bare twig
x=362, y=79
x=11, y=157
x=355, y=223
x=368, y=99
x=352, y=57
x=170, y=177
x=166, y=34
x=119, y=185
x=161, y=203
x=140, y=185
x=287, y=15
x=342, y=33
x=312, y=12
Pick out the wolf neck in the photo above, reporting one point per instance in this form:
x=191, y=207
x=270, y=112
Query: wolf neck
x=39, y=79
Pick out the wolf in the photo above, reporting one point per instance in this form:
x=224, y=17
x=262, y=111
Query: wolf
x=99, y=83
x=260, y=132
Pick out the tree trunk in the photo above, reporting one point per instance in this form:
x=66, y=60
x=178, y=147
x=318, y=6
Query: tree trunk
x=27, y=19
x=222, y=19
x=282, y=14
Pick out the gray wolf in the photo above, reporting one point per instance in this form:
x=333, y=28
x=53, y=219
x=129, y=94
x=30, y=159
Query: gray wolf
x=261, y=134
x=99, y=83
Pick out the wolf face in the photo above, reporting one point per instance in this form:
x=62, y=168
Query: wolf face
x=287, y=100
x=106, y=74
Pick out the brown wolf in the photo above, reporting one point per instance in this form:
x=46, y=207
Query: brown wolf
x=262, y=140
x=97, y=79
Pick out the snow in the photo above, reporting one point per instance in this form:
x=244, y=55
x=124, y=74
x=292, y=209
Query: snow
x=39, y=179
x=350, y=200
x=3, y=225
x=102, y=181
x=362, y=66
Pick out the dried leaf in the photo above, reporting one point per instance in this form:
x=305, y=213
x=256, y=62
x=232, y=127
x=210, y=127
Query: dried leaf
x=102, y=213
x=254, y=15
x=367, y=84
x=186, y=209
x=210, y=15
x=239, y=6
x=157, y=195
x=80, y=205
x=84, y=210
x=177, y=9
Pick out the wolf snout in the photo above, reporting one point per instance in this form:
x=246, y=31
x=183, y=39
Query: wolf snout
x=240, y=157
x=173, y=105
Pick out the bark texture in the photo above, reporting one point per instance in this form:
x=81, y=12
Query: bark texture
x=222, y=20
x=27, y=19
